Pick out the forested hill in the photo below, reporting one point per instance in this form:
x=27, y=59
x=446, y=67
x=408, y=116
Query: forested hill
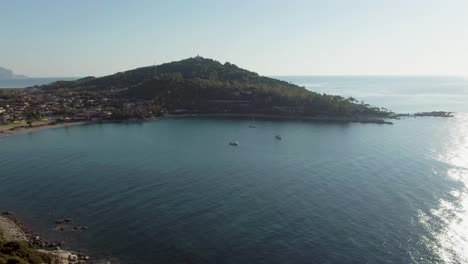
x=207, y=86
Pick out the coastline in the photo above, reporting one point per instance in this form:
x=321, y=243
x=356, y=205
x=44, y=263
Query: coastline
x=365, y=120
x=326, y=119
x=26, y=130
x=11, y=229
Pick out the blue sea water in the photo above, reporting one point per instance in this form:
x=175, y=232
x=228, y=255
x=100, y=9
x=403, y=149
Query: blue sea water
x=28, y=82
x=174, y=191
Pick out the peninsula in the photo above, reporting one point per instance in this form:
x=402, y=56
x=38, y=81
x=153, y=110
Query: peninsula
x=191, y=87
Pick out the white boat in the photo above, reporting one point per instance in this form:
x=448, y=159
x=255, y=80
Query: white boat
x=234, y=143
x=278, y=137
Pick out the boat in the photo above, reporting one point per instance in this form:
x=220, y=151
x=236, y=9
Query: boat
x=234, y=143
x=278, y=137
x=252, y=123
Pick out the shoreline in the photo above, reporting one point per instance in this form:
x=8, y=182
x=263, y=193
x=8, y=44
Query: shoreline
x=263, y=117
x=364, y=120
x=13, y=229
x=26, y=130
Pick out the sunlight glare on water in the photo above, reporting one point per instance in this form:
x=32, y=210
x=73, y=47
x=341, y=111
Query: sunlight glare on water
x=447, y=224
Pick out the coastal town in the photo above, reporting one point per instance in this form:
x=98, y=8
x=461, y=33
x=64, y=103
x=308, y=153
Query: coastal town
x=35, y=108
x=27, y=108
x=36, y=104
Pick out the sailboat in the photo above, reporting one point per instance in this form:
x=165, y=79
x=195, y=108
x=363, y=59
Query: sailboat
x=253, y=122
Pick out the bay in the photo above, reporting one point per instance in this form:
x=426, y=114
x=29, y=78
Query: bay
x=174, y=191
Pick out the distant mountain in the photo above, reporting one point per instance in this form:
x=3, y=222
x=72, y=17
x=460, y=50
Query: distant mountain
x=200, y=85
x=6, y=74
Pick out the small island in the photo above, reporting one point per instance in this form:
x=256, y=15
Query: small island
x=194, y=87
x=427, y=114
x=435, y=114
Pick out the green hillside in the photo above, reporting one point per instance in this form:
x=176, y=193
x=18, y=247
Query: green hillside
x=206, y=86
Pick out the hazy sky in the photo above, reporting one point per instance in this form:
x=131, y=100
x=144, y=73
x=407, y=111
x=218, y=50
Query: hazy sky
x=272, y=37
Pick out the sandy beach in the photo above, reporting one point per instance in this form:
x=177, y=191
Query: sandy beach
x=25, y=130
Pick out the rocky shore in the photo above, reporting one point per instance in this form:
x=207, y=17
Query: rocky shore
x=12, y=229
x=435, y=114
x=428, y=114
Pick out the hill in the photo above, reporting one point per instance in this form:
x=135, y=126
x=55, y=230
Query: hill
x=199, y=85
x=6, y=74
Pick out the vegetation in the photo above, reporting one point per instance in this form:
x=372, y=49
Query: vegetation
x=20, y=252
x=32, y=116
x=199, y=85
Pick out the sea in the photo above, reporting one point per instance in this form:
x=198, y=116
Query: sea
x=175, y=191
x=28, y=82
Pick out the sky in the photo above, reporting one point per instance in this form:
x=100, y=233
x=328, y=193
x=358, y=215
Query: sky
x=58, y=38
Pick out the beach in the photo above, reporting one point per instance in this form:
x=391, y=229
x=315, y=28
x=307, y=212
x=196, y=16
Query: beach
x=24, y=129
